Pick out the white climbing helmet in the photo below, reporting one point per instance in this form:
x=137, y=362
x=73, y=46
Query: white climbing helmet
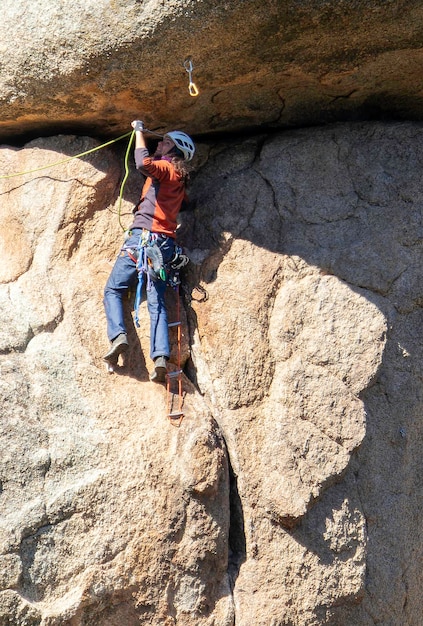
x=184, y=143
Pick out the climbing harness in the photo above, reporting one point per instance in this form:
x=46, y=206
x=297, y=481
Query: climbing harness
x=150, y=266
x=148, y=259
x=189, y=67
x=175, y=415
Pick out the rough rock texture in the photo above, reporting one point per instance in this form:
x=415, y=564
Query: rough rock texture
x=109, y=515
x=312, y=253
x=291, y=493
x=93, y=65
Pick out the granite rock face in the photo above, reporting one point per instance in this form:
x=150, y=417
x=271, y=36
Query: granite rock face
x=110, y=515
x=291, y=492
x=313, y=239
x=91, y=66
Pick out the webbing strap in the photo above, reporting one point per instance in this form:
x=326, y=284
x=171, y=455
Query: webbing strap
x=142, y=268
x=138, y=297
x=175, y=417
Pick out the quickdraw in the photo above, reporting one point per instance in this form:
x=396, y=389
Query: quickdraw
x=189, y=67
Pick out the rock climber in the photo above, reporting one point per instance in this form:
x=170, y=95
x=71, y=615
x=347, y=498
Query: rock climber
x=155, y=216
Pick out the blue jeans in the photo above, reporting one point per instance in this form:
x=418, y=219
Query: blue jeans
x=124, y=275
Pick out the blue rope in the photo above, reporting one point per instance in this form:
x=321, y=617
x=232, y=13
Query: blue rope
x=142, y=269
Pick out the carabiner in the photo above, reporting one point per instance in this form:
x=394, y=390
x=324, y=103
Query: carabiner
x=193, y=91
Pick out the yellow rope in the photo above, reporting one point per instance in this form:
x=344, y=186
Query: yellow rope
x=77, y=156
x=125, y=178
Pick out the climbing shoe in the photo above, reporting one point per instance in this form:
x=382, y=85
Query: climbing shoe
x=158, y=375
x=119, y=345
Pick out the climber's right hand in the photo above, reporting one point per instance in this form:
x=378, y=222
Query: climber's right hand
x=137, y=125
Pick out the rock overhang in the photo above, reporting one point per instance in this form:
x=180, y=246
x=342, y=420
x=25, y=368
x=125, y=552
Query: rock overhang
x=93, y=67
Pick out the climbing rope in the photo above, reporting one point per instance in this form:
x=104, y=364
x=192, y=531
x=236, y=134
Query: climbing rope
x=125, y=178
x=76, y=156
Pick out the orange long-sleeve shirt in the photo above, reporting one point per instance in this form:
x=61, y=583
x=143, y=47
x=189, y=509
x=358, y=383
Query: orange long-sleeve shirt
x=162, y=194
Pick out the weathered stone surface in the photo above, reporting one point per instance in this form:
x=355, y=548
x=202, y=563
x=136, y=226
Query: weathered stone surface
x=91, y=66
x=306, y=367
x=312, y=240
x=110, y=515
